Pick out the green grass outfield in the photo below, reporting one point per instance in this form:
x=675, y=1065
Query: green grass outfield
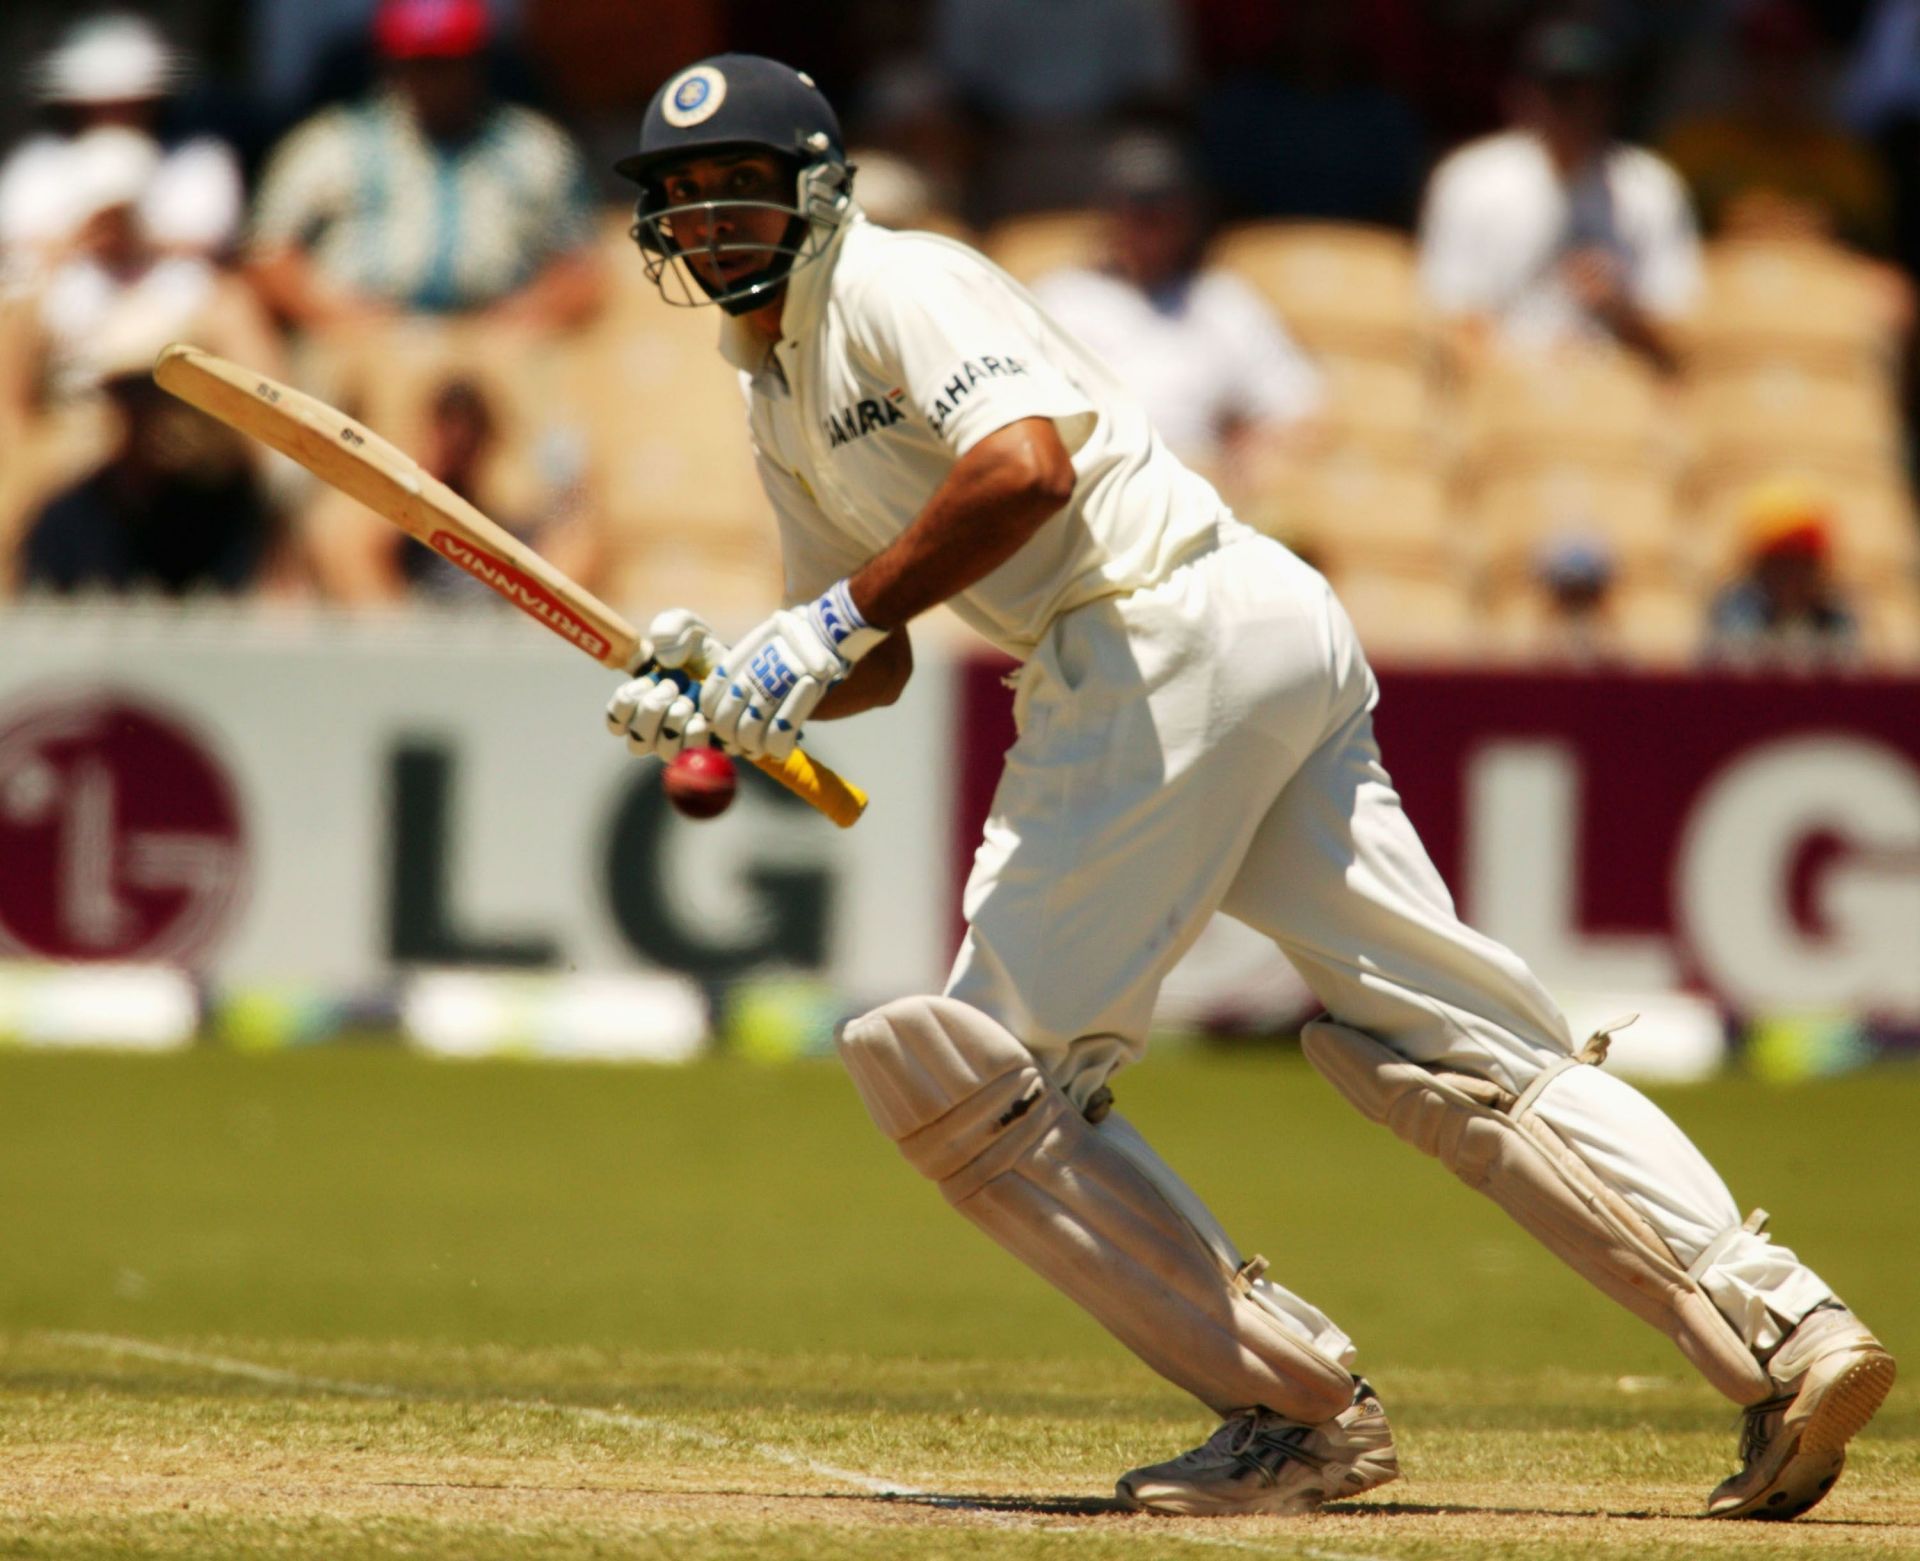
x=351, y=1303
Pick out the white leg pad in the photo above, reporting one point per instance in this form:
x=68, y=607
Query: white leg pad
x=972, y=1112
x=1497, y=1144
x=1301, y=1318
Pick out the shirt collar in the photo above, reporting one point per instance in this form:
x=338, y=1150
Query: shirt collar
x=807, y=292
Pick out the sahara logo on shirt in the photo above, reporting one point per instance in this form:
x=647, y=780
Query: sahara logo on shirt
x=860, y=419
x=972, y=371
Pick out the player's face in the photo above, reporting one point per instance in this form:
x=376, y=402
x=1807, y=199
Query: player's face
x=743, y=203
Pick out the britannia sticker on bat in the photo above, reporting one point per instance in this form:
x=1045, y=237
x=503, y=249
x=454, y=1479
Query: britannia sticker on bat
x=523, y=591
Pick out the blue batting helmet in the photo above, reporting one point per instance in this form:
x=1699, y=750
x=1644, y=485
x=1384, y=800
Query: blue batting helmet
x=739, y=102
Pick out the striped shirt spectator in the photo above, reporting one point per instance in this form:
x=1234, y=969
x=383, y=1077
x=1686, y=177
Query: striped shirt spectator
x=386, y=213
x=428, y=196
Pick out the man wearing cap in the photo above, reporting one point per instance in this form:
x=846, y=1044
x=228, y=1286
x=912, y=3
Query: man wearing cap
x=428, y=196
x=1553, y=231
x=113, y=72
x=1195, y=734
x=1785, y=609
x=112, y=290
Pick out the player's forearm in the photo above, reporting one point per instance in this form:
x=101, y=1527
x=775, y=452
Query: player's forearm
x=993, y=501
x=1638, y=331
x=875, y=682
x=292, y=286
x=568, y=291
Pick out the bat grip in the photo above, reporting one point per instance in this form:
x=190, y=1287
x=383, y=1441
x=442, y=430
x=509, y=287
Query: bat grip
x=818, y=786
x=814, y=783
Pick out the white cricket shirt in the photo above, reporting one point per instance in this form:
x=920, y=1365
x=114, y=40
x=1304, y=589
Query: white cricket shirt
x=900, y=352
x=1499, y=221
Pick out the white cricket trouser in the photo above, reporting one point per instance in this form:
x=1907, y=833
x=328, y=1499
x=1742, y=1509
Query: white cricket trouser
x=1208, y=745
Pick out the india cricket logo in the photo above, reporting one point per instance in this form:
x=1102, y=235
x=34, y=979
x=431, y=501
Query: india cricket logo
x=694, y=97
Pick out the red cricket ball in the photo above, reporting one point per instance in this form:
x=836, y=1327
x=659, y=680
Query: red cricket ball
x=700, y=783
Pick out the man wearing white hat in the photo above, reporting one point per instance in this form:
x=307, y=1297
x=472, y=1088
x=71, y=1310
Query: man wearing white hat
x=114, y=71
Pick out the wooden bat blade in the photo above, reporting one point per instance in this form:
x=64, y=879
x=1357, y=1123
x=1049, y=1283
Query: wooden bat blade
x=347, y=455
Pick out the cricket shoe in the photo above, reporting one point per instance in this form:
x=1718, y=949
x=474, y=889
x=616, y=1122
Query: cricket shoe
x=1259, y=1461
x=1832, y=1375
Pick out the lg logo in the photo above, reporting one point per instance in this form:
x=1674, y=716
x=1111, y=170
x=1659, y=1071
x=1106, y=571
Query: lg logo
x=779, y=912
x=1795, y=876
x=120, y=835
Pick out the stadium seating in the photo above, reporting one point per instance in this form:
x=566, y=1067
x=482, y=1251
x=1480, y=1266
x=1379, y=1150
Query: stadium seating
x=1628, y=506
x=1410, y=612
x=1890, y=621
x=1428, y=500
x=1028, y=247
x=1785, y=410
x=1807, y=302
x=1382, y=405
x=1359, y=508
x=1342, y=288
x=1648, y=621
x=1582, y=404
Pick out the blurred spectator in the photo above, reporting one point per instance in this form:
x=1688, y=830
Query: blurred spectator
x=1882, y=83
x=429, y=195
x=908, y=110
x=1785, y=609
x=1306, y=127
x=176, y=508
x=896, y=194
x=1773, y=164
x=1219, y=377
x=113, y=283
x=1062, y=60
x=1048, y=81
x=304, y=52
x=1574, y=575
x=1880, y=98
x=359, y=558
x=1554, y=231
x=113, y=71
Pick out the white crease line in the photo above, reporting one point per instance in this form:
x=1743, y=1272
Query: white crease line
x=228, y=1366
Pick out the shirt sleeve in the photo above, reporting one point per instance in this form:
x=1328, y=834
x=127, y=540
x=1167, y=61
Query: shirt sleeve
x=195, y=200
x=549, y=170
x=1453, y=275
x=1667, y=276
x=971, y=354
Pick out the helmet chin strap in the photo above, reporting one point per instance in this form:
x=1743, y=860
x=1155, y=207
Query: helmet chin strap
x=761, y=287
x=737, y=304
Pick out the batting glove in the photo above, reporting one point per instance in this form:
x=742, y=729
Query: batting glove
x=684, y=639
x=759, y=697
x=659, y=715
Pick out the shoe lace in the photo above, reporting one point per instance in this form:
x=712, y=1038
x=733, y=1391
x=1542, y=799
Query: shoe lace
x=1264, y=1447
x=1756, y=1427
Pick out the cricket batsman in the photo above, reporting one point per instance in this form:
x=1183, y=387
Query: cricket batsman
x=1195, y=734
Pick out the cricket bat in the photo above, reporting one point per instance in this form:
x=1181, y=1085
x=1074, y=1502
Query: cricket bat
x=352, y=458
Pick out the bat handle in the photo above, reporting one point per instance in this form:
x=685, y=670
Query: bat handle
x=814, y=783
x=818, y=786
